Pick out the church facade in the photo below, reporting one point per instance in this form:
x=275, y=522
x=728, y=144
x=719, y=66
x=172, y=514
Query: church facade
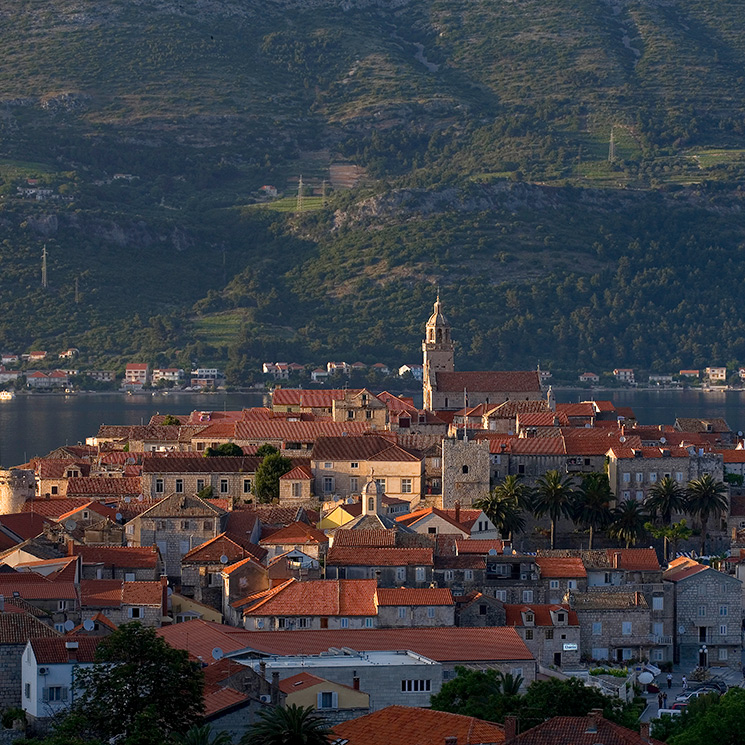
x=444, y=388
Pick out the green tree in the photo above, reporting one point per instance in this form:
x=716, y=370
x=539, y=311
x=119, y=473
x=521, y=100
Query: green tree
x=290, y=725
x=666, y=497
x=553, y=497
x=627, y=522
x=591, y=503
x=268, y=473
x=227, y=448
x=672, y=534
x=504, y=505
x=720, y=723
x=169, y=419
x=705, y=498
x=266, y=449
x=201, y=735
x=143, y=691
x=485, y=694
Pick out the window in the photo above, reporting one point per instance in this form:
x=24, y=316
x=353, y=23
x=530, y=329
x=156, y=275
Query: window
x=626, y=478
x=344, y=623
x=371, y=504
x=501, y=595
x=350, y=414
x=185, y=525
x=354, y=464
x=432, y=531
x=657, y=655
x=465, y=469
x=416, y=686
x=639, y=478
x=59, y=627
x=723, y=629
x=86, y=514
x=405, y=486
x=401, y=611
x=468, y=575
x=129, y=576
x=549, y=633
x=723, y=610
x=626, y=628
x=328, y=465
x=554, y=584
x=516, y=671
x=328, y=484
x=627, y=653
x=55, y=693
x=302, y=623
x=527, y=596
x=223, y=486
x=179, y=486
x=702, y=611
x=135, y=613
x=679, y=476
x=55, y=490
x=207, y=525
x=200, y=485
x=560, y=618
x=521, y=469
x=658, y=628
x=658, y=602
x=572, y=584
x=27, y=690
x=400, y=574
x=430, y=612
x=652, y=478
x=597, y=629
x=528, y=634
x=381, y=484
x=420, y=576
x=281, y=623
x=368, y=414
x=327, y=700
x=599, y=653
x=158, y=486
x=297, y=489
x=482, y=610
x=354, y=484
x=62, y=605
x=368, y=623
x=722, y=653
x=640, y=496
x=129, y=529
x=247, y=486
x=449, y=574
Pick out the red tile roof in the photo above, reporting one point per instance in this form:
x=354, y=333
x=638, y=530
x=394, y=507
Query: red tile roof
x=55, y=468
x=233, y=546
x=372, y=556
x=682, y=568
x=580, y=731
x=368, y=538
x=341, y=597
x=404, y=724
x=414, y=517
x=51, y=651
x=623, y=452
x=218, y=699
x=30, y=589
x=199, y=638
x=308, y=398
x=128, y=486
x=414, y=596
x=299, y=473
x=113, y=593
x=300, y=682
x=479, y=546
x=18, y=628
x=484, y=382
x=53, y=508
x=365, y=447
x=216, y=464
x=542, y=614
x=296, y=533
x=635, y=559
x=127, y=557
x=554, y=566
x=288, y=431
x=25, y=524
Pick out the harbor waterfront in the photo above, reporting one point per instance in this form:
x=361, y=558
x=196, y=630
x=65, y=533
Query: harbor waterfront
x=36, y=424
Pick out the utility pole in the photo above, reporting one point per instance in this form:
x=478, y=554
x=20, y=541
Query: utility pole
x=299, y=207
x=612, y=146
x=44, y=267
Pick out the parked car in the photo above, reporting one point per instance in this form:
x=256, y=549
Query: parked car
x=689, y=695
x=679, y=705
x=670, y=712
x=713, y=684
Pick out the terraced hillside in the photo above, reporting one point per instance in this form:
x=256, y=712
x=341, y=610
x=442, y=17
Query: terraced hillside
x=568, y=171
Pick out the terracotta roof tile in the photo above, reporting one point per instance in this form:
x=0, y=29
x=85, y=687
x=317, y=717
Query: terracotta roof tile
x=682, y=568
x=289, y=431
x=55, y=468
x=308, y=398
x=296, y=533
x=479, y=546
x=365, y=447
x=31, y=590
x=52, y=651
x=113, y=593
x=369, y=538
x=128, y=557
x=128, y=486
x=414, y=596
x=580, y=731
x=216, y=464
x=372, y=556
x=507, y=381
x=53, y=508
x=300, y=682
x=299, y=473
x=553, y=567
x=541, y=613
x=18, y=628
x=25, y=525
x=218, y=699
x=235, y=547
x=449, y=517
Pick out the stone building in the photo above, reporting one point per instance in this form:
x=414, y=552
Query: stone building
x=465, y=472
x=708, y=615
x=478, y=610
x=296, y=486
x=16, y=486
x=550, y=632
x=129, y=563
x=560, y=576
x=122, y=602
x=514, y=579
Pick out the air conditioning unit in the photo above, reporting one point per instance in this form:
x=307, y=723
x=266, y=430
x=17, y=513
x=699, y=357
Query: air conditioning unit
x=265, y=698
x=43, y=671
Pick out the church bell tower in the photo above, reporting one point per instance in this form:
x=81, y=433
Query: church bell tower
x=437, y=349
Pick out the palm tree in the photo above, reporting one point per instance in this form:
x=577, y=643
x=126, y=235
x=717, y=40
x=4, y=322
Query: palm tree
x=290, y=725
x=666, y=497
x=504, y=505
x=509, y=684
x=553, y=497
x=628, y=522
x=591, y=504
x=202, y=736
x=706, y=497
x=672, y=534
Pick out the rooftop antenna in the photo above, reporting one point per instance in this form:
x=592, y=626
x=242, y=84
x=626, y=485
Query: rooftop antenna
x=612, y=146
x=44, y=283
x=299, y=207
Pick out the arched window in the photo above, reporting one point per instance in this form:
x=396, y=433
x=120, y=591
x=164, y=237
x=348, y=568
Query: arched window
x=465, y=469
x=439, y=335
x=371, y=504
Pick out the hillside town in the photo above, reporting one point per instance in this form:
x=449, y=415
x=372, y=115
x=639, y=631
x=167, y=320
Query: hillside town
x=348, y=550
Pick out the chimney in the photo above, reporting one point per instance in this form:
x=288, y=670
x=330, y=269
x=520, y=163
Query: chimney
x=616, y=558
x=636, y=597
x=451, y=740
x=457, y=511
x=262, y=669
x=644, y=731
x=510, y=727
x=356, y=684
x=594, y=718
x=70, y=549
x=275, y=688
x=72, y=651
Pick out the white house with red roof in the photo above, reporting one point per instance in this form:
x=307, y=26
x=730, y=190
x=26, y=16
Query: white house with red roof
x=137, y=372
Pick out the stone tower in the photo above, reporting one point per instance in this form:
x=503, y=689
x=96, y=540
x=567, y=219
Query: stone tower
x=16, y=486
x=437, y=349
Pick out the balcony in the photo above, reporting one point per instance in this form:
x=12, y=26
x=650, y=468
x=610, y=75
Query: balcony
x=660, y=640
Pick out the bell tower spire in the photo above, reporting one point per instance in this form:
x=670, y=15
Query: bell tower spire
x=438, y=352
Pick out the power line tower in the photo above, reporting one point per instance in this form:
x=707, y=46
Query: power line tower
x=299, y=207
x=44, y=283
x=612, y=146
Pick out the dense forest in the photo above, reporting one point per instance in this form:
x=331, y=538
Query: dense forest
x=568, y=172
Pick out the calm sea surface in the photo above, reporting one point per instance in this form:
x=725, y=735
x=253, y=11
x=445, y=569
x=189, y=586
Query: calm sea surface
x=34, y=425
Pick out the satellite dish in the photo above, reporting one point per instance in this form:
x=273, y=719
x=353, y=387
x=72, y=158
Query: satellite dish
x=217, y=653
x=646, y=678
x=118, y=515
x=492, y=552
x=127, y=500
x=223, y=559
x=663, y=440
x=88, y=625
x=141, y=498
x=70, y=525
x=622, y=439
x=739, y=433
x=69, y=625
x=681, y=629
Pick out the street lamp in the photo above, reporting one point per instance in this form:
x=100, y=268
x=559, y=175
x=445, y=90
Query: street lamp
x=703, y=655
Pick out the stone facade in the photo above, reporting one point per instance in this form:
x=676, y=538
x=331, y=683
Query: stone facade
x=465, y=472
x=16, y=486
x=480, y=611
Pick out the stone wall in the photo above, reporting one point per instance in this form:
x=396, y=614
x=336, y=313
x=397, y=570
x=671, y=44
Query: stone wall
x=465, y=472
x=10, y=675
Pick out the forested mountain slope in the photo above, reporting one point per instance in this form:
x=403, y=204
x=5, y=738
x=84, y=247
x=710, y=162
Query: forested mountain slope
x=568, y=171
